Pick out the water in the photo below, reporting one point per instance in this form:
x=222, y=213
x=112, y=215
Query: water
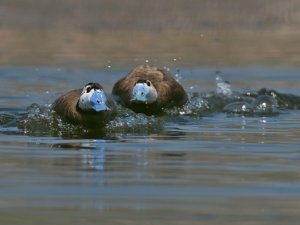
x=210, y=162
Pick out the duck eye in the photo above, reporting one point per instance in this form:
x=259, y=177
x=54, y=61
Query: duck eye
x=148, y=83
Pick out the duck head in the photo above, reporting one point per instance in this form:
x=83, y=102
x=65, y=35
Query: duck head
x=93, y=98
x=144, y=92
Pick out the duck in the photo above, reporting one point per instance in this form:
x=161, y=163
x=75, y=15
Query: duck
x=149, y=90
x=89, y=106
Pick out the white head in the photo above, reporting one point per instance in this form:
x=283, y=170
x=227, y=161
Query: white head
x=144, y=92
x=93, y=98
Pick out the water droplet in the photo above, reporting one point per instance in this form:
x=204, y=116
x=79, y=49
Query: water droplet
x=167, y=68
x=108, y=64
x=223, y=87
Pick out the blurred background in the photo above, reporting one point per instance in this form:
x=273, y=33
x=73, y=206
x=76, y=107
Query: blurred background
x=121, y=33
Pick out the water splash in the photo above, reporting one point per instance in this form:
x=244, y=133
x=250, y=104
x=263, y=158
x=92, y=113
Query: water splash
x=129, y=122
x=239, y=107
x=265, y=104
x=223, y=87
x=42, y=121
x=178, y=76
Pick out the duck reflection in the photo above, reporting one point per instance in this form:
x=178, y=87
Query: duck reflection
x=132, y=165
x=94, y=159
x=93, y=153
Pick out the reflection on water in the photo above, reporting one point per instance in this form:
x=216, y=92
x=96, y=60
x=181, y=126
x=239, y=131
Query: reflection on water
x=199, y=164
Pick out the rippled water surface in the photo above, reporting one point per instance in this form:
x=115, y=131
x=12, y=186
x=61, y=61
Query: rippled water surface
x=207, y=163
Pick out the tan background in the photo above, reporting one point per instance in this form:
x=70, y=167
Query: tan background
x=122, y=33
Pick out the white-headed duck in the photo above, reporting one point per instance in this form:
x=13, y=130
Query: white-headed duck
x=149, y=90
x=89, y=106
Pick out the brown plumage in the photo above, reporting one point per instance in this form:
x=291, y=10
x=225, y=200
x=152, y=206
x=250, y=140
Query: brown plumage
x=67, y=107
x=169, y=92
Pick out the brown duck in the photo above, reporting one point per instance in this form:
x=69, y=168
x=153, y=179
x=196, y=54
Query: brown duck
x=149, y=90
x=88, y=106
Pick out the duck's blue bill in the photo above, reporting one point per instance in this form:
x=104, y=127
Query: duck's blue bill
x=139, y=93
x=98, y=101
